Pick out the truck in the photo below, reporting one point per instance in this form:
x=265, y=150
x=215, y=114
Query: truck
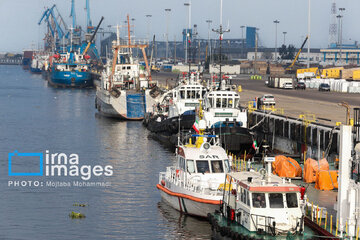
x=281, y=82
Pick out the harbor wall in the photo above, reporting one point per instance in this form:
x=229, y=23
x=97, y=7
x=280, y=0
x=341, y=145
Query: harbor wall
x=295, y=136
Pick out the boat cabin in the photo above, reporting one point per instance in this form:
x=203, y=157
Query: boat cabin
x=185, y=98
x=263, y=202
x=193, y=161
x=223, y=105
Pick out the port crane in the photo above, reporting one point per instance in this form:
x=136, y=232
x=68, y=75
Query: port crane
x=54, y=27
x=90, y=27
x=290, y=68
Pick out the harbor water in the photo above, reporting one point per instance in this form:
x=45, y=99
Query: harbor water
x=36, y=117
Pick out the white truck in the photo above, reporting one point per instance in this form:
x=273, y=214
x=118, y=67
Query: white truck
x=285, y=82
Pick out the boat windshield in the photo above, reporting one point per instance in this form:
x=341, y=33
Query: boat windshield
x=291, y=200
x=276, y=200
x=190, y=166
x=216, y=166
x=258, y=200
x=202, y=166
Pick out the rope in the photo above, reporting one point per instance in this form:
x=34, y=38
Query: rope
x=260, y=121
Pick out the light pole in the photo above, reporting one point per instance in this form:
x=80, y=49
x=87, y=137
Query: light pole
x=284, y=37
x=276, y=23
x=209, y=44
x=167, y=10
x=309, y=35
x=340, y=17
x=221, y=32
x=148, y=17
x=186, y=31
x=242, y=40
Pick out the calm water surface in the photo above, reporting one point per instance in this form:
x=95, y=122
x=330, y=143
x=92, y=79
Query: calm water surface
x=34, y=118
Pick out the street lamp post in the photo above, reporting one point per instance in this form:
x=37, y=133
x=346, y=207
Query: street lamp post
x=309, y=34
x=167, y=10
x=221, y=32
x=209, y=44
x=276, y=23
x=148, y=17
x=284, y=37
x=186, y=31
x=242, y=40
x=340, y=17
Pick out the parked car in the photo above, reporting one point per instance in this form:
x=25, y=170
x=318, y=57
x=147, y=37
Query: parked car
x=324, y=87
x=267, y=99
x=288, y=85
x=300, y=85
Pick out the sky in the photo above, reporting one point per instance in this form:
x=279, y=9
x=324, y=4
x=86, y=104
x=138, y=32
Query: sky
x=20, y=30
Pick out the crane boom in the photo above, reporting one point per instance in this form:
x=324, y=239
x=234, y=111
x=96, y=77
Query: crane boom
x=298, y=54
x=93, y=36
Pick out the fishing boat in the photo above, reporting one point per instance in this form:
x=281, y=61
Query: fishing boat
x=70, y=69
x=126, y=88
x=176, y=108
x=225, y=117
x=194, y=185
x=261, y=205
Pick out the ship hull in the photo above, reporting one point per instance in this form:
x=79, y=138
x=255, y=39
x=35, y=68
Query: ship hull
x=234, y=138
x=127, y=106
x=188, y=204
x=71, y=79
x=35, y=70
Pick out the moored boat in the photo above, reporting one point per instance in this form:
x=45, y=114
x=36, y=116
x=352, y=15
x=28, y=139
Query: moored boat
x=194, y=185
x=225, y=117
x=126, y=89
x=176, y=109
x=260, y=204
x=70, y=69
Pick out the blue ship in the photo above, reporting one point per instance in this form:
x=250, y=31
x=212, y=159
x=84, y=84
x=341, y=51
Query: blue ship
x=71, y=69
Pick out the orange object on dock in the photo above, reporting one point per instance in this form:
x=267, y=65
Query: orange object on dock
x=286, y=167
x=326, y=180
x=311, y=167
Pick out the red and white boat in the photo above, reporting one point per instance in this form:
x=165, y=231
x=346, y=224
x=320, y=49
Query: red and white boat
x=195, y=184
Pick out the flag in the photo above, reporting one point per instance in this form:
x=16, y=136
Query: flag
x=196, y=126
x=221, y=37
x=254, y=145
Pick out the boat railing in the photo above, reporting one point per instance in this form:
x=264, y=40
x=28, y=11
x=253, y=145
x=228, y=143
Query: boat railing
x=191, y=182
x=265, y=223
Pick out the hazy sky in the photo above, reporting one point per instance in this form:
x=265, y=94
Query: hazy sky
x=19, y=18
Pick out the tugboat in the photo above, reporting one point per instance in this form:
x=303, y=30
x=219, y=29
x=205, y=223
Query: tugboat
x=176, y=108
x=260, y=205
x=224, y=117
x=125, y=88
x=194, y=185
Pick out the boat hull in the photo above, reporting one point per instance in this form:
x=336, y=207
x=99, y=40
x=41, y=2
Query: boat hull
x=235, y=138
x=169, y=126
x=35, y=70
x=71, y=79
x=194, y=207
x=130, y=107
